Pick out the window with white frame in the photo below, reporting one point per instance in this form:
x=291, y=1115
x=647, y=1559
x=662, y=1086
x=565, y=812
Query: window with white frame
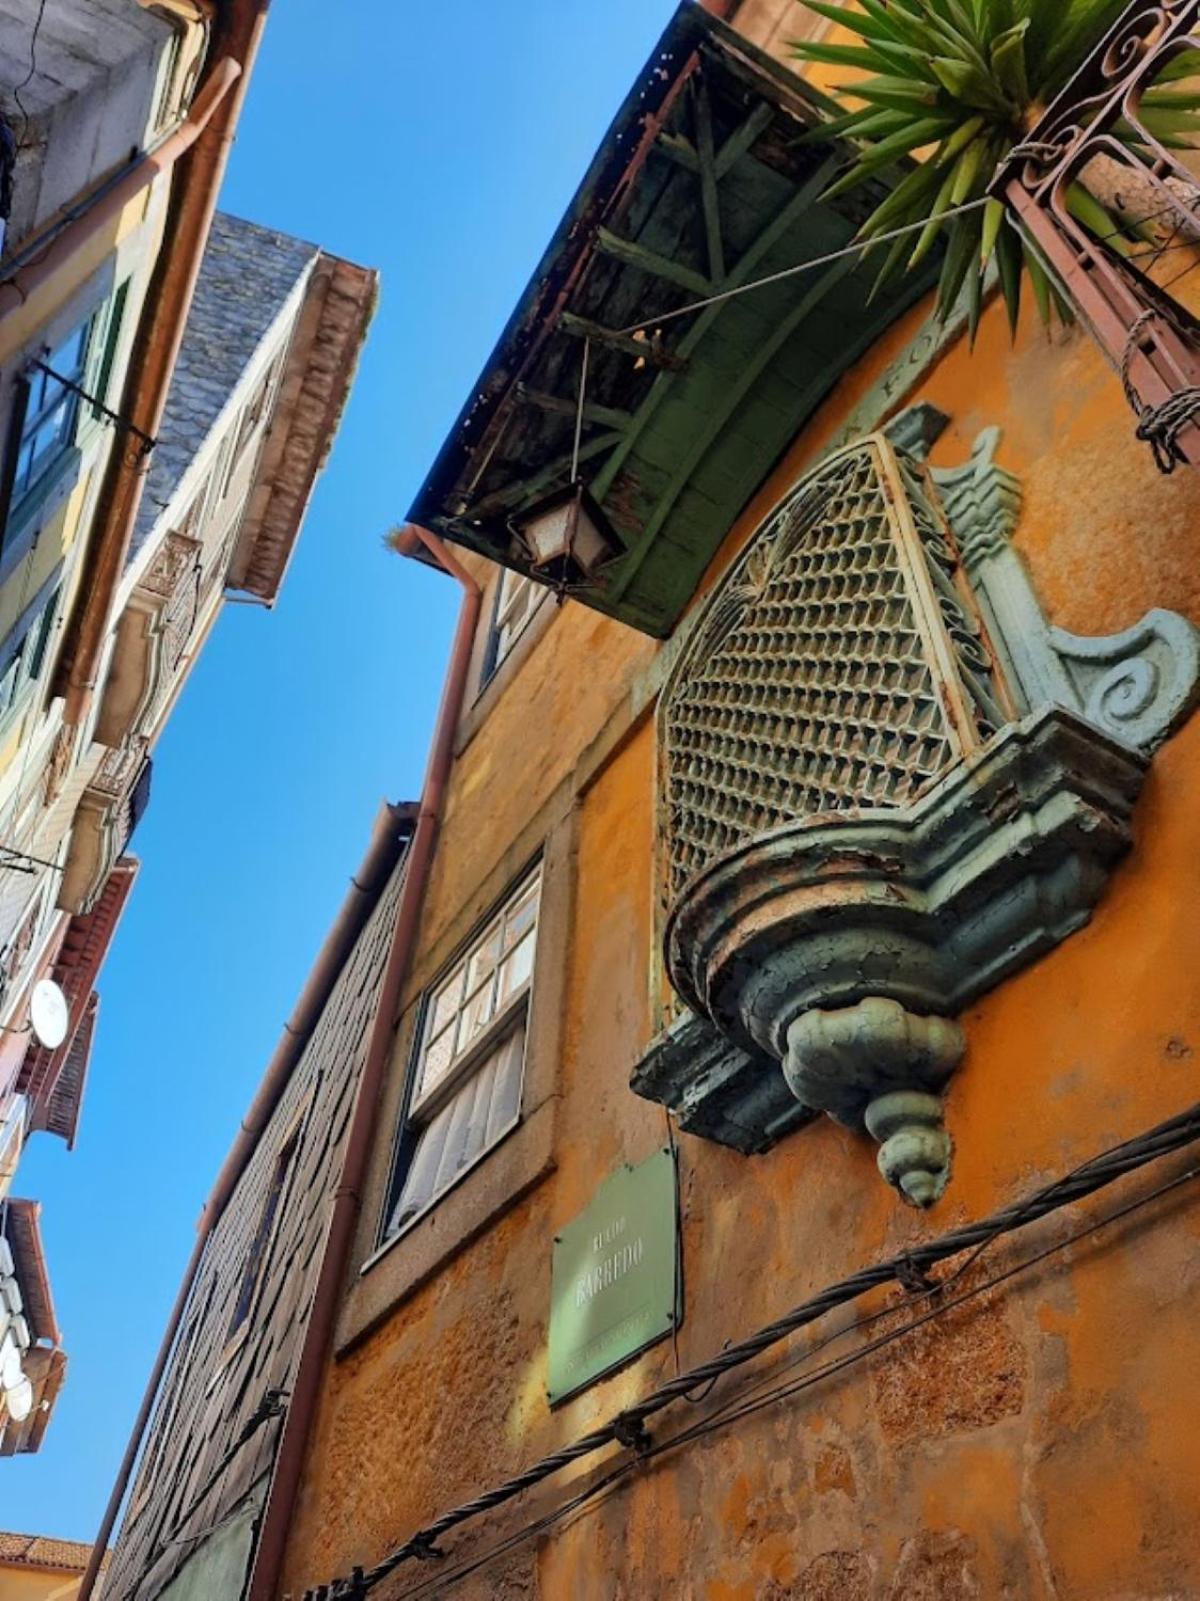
x=517, y=599
x=464, y=1092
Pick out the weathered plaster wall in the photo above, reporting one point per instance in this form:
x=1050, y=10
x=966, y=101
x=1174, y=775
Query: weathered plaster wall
x=961, y=1462
x=38, y=1584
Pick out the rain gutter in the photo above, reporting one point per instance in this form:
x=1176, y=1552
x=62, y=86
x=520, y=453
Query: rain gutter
x=347, y=1201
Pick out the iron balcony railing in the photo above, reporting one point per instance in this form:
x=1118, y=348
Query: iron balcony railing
x=1146, y=332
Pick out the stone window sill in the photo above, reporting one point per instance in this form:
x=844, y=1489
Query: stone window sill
x=403, y=1264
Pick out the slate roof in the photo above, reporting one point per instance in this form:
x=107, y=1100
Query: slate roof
x=247, y=274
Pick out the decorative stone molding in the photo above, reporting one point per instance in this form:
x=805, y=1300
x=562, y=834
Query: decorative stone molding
x=925, y=908
x=1137, y=685
x=151, y=637
x=107, y=814
x=845, y=1063
x=716, y=1089
x=864, y=832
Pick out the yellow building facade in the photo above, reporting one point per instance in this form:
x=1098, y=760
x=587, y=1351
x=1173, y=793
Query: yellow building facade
x=170, y=380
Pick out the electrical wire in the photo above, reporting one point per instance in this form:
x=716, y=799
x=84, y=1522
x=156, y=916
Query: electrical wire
x=863, y=245
x=859, y=247
x=438, y=1583
x=629, y=1426
x=28, y=78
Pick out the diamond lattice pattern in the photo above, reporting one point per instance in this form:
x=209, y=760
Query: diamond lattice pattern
x=808, y=690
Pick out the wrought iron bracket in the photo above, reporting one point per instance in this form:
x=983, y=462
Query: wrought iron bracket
x=1137, y=685
x=147, y=441
x=1147, y=334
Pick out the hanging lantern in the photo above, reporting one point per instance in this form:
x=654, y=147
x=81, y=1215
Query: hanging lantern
x=567, y=536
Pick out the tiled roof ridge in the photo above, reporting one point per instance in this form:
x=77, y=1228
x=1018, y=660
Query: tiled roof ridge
x=44, y=1551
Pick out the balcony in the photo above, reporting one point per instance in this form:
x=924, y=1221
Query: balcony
x=151, y=638
x=107, y=814
x=887, y=784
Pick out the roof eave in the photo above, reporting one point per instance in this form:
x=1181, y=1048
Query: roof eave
x=322, y=360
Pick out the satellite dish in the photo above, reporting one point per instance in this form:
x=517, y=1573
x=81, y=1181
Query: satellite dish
x=20, y=1400
x=11, y=1371
x=49, y=1013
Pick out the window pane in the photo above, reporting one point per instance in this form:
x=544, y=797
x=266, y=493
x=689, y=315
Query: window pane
x=514, y=606
x=506, y=1092
x=436, y=1062
x=445, y=1002
x=518, y=965
x=53, y=428
x=483, y=1109
x=474, y=995
x=483, y=959
x=24, y=468
x=68, y=359
x=520, y=918
x=476, y=1014
x=514, y=592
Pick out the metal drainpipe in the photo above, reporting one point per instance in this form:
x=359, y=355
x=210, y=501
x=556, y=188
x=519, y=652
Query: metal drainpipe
x=347, y=1200
x=236, y=39
x=36, y=262
x=219, y=98
x=338, y=943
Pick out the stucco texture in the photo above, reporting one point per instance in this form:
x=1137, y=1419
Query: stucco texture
x=1036, y=1442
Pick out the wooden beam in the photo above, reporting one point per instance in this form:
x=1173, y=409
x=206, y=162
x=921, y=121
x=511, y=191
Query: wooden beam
x=708, y=185
x=651, y=350
x=742, y=138
x=635, y=255
x=609, y=416
x=680, y=149
x=746, y=265
x=718, y=418
x=525, y=489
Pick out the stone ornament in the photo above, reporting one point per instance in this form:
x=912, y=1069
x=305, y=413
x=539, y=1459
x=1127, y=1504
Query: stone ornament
x=887, y=784
x=1137, y=685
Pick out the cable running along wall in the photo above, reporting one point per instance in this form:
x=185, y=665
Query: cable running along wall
x=908, y=1269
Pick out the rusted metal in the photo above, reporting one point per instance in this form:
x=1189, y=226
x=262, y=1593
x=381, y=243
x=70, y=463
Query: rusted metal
x=1147, y=334
x=145, y=440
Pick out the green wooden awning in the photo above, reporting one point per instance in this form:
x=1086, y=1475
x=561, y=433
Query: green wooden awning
x=705, y=181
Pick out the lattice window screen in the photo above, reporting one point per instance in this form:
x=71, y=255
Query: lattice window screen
x=840, y=665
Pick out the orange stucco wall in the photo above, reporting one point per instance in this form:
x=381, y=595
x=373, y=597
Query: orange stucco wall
x=1040, y=1442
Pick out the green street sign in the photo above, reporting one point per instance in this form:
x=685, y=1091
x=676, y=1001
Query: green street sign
x=615, y=1280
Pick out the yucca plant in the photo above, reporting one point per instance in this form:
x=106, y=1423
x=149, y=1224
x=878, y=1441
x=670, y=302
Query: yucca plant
x=958, y=83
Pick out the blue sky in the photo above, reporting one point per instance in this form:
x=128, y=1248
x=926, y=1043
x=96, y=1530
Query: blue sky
x=439, y=143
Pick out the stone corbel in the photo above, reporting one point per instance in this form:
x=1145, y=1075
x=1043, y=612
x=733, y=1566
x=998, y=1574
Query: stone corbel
x=845, y=948
x=1137, y=685
x=146, y=641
